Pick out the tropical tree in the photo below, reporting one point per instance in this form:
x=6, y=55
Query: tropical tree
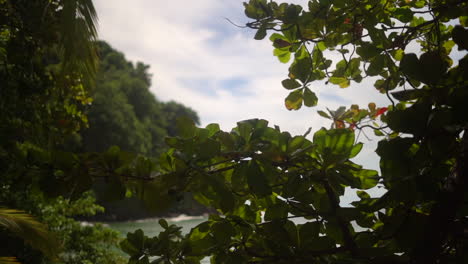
x=23, y=225
x=124, y=112
x=47, y=63
x=278, y=196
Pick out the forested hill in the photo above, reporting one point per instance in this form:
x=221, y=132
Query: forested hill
x=124, y=112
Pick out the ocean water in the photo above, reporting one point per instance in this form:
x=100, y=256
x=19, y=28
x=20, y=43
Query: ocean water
x=152, y=228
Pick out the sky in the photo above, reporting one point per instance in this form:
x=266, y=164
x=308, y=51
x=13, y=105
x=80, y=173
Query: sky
x=201, y=60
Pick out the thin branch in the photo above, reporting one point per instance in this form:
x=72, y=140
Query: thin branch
x=234, y=24
x=335, y=204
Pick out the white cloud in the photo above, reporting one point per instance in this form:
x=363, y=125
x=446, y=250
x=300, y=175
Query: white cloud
x=192, y=49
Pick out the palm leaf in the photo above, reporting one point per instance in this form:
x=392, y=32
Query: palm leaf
x=30, y=230
x=9, y=260
x=78, y=38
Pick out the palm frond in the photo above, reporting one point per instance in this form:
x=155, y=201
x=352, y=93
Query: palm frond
x=30, y=230
x=79, y=34
x=9, y=260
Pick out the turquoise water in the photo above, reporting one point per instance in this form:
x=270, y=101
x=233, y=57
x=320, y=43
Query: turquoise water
x=151, y=227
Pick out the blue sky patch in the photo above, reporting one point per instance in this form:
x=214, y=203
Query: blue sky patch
x=235, y=85
x=334, y=98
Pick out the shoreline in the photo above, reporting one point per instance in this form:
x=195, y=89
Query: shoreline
x=176, y=218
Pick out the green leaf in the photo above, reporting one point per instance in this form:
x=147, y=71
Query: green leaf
x=460, y=36
x=368, y=178
x=156, y=197
x=209, y=149
x=301, y=69
x=200, y=241
x=463, y=21
x=341, y=81
x=323, y=114
x=296, y=143
x=213, y=129
x=137, y=239
x=255, y=9
x=226, y=140
x=376, y=65
x=433, y=66
x=292, y=13
x=412, y=120
x=290, y=84
x=227, y=200
x=367, y=51
x=405, y=14
x=398, y=54
x=261, y=33
x=294, y=100
x=321, y=46
x=128, y=248
x=362, y=194
x=396, y=159
x=245, y=129
x=185, y=127
x=256, y=179
x=335, y=145
x=32, y=232
x=408, y=95
x=278, y=210
x=355, y=150
x=281, y=43
x=411, y=66
x=310, y=99
x=222, y=232
x=112, y=190
x=308, y=234
x=163, y=223
x=322, y=243
x=283, y=55
x=448, y=45
x=239, y=176
x=378, y=133
x=353, y=67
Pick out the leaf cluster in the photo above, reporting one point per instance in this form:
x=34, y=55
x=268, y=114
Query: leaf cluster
x=260, y=179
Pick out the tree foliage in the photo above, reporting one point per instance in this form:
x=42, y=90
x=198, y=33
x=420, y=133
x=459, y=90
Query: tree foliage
x=260, y=178
x=124, y=112
x=47, y=64
x=30, y=230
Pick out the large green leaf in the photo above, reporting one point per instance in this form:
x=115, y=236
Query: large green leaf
x=294, y=100
x=301, y=69
x=376, y=65
x=308, y=234
x=334, y=145
x=257, y=180
x=405, y=15
x=185, y=127
x=290, y=84
x=411, y=66
x=460, y=36
x=310, y=99
x=209, y=149
x=433, y=66
x=33, y=233
x=343, y=82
